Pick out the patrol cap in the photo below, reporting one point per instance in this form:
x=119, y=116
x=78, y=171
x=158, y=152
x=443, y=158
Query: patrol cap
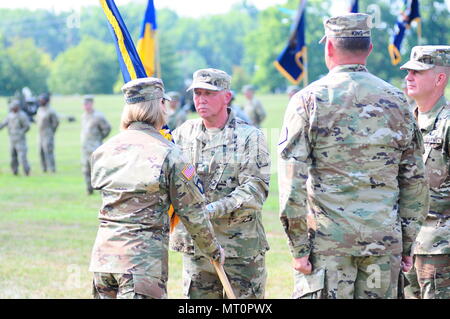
x=210, y=79
x=144, y=89
x=426, y=57
x=292, y=88
x=350, y=25
x=174, y=95
x=13, y=104
x=88, y=98
x=44, y=96
x=248, y=87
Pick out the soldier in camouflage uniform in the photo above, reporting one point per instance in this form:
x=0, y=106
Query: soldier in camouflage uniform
x=139, y=174
x=353, y=190
x=18, y=124
x=233, y=164
x=177, y=115
x=47, y=121
x=253, y=108
x=428, y=76
x=94, y=128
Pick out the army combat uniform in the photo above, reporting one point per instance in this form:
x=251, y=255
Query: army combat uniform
x=178, y=117
x=233, y=165
x=139, y=174
x=432, y=249
x=94, y=129
x=47, y=122
x=18, y=124
x=352, y=183
x=255, y=111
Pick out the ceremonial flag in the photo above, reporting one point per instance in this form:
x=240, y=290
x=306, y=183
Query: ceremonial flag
x=147, y=44
x=129, y=61
x=409, y=14
x=292, y=62
x=131, y=65
x=354, y=6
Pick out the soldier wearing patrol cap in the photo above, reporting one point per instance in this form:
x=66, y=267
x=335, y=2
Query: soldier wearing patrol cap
x=428, y=76
x=253, y=107
x=18, y=125
x=233, y=164
x=176, y=114
x=353, y=190
x=94, y=129
x=139, y=174
x=47, y=121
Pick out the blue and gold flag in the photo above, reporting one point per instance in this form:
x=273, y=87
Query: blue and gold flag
x=291, y=63
x=354, y=6
x=129, y=61
x=409, y=14
x=146, y=46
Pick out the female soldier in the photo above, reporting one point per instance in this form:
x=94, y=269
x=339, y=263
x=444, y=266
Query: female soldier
x=139, y=174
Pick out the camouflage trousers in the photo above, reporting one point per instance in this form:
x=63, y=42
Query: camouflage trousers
x=411, y=287
x=19, y=156
x=247, y=277
x=46, y=152
x=349, y=277
x=86, y=169
x=430, y=278
x=127, y=286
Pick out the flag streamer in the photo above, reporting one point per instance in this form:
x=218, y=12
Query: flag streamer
x=410, y=14
x=292, y=61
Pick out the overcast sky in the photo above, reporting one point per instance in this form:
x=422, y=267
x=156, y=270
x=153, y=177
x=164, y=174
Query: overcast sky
x=191, y=8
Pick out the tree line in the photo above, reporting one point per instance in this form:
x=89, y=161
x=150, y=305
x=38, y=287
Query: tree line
x=73, y=52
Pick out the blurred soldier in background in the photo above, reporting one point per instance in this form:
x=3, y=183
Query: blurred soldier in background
x=253, y=107
x=139, y=174
x=47, y=122
x=94, y=129
x=428, y=76
x=237, y=109
x=291, y=90
x=18, y=124
x=28, y=103
x=233, y=164
x=353, y=187
x=176, y=114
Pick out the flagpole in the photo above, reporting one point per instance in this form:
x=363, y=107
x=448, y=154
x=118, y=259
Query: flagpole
x=157, y=56
x=305, y=78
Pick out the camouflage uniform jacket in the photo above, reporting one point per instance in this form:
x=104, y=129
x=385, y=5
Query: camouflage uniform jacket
x=177, y=118
x=234, y=167
x=255, y=112
x=18, y=124
x=434, y=235
x=140, y=174
x=94, y=128
x=352, y=181
x=47, y=121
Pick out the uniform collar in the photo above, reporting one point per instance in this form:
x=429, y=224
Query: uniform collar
x=349, y=68
x=142, y=126
x=229, y=124
x=430, y=117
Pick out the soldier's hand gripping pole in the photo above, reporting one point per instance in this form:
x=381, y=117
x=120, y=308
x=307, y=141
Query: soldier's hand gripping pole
x=224, y=279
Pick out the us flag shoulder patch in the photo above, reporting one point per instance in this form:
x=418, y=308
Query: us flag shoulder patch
x=188, y=171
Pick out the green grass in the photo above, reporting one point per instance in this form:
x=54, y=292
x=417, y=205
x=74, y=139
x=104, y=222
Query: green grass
x=48, y=224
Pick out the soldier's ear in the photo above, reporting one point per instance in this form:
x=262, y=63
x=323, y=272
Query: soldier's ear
x=441, y=79
x=329, y=47
x=228, y=97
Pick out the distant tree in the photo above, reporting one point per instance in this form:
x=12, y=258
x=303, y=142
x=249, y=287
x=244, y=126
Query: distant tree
x=90, y=67
x=23, y=64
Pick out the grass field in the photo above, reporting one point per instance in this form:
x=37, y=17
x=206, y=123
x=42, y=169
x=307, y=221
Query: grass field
x=48, y=224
